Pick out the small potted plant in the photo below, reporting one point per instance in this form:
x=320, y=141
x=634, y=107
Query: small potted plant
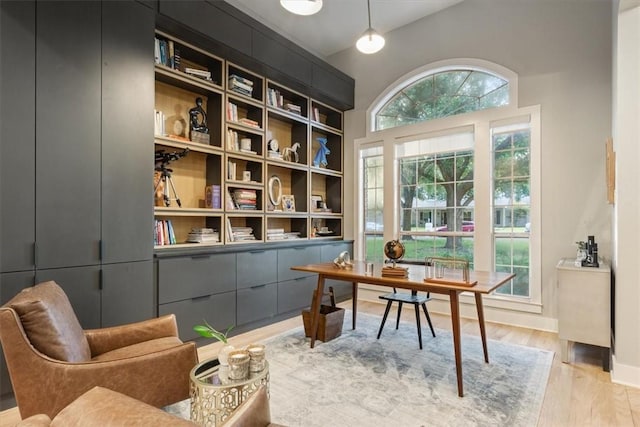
x=209, y=331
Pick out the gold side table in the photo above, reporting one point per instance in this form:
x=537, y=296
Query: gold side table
x=214, y=396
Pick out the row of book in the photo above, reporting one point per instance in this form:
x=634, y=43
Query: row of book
x=232, y=115
x=280, y=234
x=241, y=85
x=233, y=143
x=275, y=99
x=164, y=234
x=167, y=54
x=158, y=125
x=239, y=234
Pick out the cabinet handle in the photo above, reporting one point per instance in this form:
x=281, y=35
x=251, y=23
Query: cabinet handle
x=257, y=252
x=258, y=286
x=300, y=278
x=201, y=297
x=200, y=256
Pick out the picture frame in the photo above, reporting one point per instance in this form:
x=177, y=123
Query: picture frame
x=316, y=202
x=288, y=203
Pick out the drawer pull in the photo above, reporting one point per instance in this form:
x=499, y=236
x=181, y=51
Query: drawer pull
x=201, y=298
x=257, y=252
x=258, y=286
x=200, y=256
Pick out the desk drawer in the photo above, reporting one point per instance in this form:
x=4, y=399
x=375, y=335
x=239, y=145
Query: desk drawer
x=196, y=276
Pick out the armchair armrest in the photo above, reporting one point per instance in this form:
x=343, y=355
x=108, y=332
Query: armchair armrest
x=107, y=339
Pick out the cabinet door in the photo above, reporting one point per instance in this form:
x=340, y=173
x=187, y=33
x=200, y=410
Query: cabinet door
x=296, y=294
x=68, y=133
x=127, y=293
x=218, y=310
x=10, y=285
x=191, y=277
x=82, y=286
x=257, y=303
x=17, y=135
x=127, y=132
x=296, y=256
x=257, y=268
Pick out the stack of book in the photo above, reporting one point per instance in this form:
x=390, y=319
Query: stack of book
x=245, y=199
x=292, y=235
x=241, y=234
x=275, y=234
x=240, y=85
x=293, y=108
x=196, y=72
x=203, y=235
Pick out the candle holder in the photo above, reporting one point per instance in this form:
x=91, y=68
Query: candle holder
x=257, y=357
x=239, y=364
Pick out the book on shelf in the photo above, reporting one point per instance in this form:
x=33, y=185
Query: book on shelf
x=316, y=114
x=293, y=108
x=203, y=235
x=249, y=122
x=159, y=123
x=212, y=195
x=231, y=170
x=166, y=53
x=229, y=230
x=240, y=79
x=164, y=233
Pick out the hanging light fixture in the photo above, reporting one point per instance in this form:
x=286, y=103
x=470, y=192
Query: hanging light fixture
x=302, y=7
x=371, y=41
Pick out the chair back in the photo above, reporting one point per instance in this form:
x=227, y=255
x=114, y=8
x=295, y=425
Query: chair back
x=50, y=323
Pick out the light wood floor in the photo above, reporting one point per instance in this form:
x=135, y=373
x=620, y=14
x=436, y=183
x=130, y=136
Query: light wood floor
x=578, y=394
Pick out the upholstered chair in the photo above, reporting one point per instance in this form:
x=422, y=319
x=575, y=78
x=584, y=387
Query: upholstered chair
x=100, y=407
x=52, y=360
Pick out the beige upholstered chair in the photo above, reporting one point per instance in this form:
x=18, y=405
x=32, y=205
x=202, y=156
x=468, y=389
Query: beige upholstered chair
x=52, y=360
x=100, y=407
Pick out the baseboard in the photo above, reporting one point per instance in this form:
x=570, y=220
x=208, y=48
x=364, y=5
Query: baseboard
x=625, y=374
x=468, y=310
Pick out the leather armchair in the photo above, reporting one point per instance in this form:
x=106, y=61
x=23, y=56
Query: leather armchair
x=52, y=360
x=100, y=407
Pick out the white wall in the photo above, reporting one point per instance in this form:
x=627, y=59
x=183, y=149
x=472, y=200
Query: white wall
x=626, y=137
x=561, y=51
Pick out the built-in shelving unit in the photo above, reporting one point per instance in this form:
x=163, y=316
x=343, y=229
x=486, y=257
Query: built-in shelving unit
x=257, y=173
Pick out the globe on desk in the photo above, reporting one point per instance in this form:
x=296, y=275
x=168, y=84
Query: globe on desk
x=394, y=250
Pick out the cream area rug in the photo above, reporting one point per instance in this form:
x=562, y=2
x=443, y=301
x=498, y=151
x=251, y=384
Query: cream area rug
x=357, y=380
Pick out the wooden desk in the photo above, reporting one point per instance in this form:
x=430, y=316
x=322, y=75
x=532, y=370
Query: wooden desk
x=487, y=283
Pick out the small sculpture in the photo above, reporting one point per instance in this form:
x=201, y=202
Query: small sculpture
x=320, y=160
x=291, y=154
x=198, y=126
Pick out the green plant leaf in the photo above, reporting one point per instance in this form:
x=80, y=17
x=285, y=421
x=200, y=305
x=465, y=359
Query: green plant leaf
x=209, y=331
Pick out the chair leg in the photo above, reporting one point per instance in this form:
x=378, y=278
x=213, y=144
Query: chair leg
x=384, y=318
x=426, y=313
x=418, y=324
x=399, y=312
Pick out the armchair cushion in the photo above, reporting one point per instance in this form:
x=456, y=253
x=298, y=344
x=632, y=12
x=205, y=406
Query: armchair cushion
x=50, y=322
x=139, y=349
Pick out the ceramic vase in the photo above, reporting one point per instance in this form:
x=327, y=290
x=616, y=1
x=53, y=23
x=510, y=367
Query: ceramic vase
x=223, y=354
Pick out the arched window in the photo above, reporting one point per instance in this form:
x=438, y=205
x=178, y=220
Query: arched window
x=441, y=94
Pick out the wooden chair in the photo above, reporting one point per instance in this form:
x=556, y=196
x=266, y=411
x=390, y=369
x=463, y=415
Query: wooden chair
x=412, y=298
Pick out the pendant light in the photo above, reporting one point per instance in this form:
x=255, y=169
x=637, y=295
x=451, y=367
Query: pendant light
x=371, y=41
x=302, y=7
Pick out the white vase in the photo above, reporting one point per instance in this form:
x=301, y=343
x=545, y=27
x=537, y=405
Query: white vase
x=224, y=353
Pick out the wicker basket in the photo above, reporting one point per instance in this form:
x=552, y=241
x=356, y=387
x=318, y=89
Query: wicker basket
x=330, y=324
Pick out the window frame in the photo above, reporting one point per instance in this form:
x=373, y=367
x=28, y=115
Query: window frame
x=481, y=122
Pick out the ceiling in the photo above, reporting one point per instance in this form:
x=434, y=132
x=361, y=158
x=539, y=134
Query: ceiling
x=340, y=22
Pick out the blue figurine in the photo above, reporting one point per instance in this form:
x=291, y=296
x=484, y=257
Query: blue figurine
x=320, y=160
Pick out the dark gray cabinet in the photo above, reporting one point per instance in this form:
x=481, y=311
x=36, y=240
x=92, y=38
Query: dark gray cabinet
x=218, y=310
x=257, y=294
x=67, y=124
x=127, y=132
x=82, y=286
x=257, y=302
x=127, y=293
x=257, y=268
x=195, y=276
x=296, y=294
x=17, y=135
x=299, y=255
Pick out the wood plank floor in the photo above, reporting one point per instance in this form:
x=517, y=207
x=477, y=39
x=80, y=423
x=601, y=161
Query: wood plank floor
x=578, y=394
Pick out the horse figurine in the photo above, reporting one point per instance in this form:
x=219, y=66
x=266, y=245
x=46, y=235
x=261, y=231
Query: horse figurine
x=291, y=154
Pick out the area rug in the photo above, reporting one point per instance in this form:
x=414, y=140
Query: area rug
x=357, y=380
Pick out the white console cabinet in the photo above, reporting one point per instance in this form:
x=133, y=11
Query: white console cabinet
x=584, y=307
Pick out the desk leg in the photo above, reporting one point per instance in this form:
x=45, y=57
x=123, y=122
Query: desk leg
x=315, y=309
x=457, y=349
x=354, y=302
x=483, y=331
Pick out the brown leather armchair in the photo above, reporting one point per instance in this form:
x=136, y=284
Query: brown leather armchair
x=52, y=360
x=100, y=407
